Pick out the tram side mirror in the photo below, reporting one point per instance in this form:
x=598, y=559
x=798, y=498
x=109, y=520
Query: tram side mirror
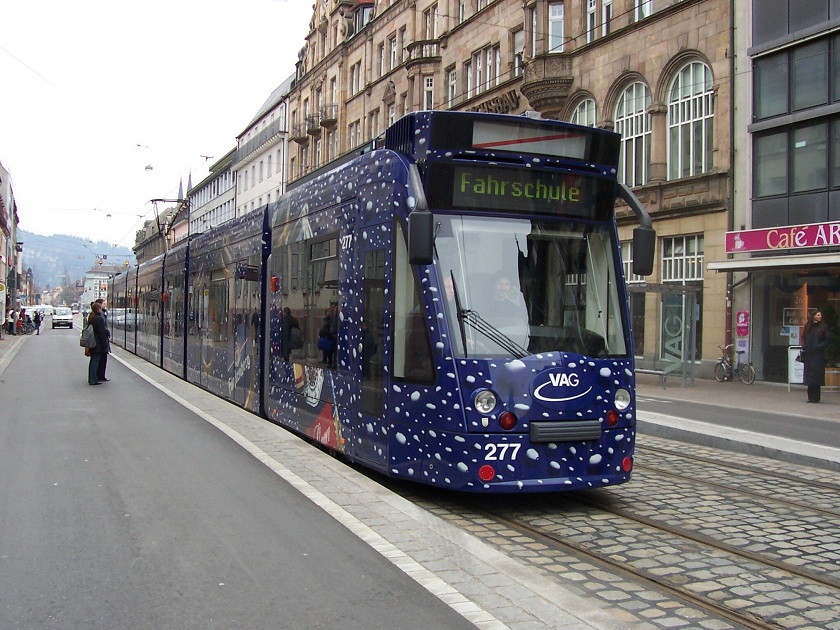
x=644, y=243
x=420, y=237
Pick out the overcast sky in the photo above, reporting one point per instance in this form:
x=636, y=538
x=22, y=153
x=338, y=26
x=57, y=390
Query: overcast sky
x=93, y=91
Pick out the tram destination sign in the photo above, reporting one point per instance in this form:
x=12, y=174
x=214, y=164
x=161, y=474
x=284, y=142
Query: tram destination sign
x=519, y=190
x=544, y=140
x=789, y=237
x=491, y=134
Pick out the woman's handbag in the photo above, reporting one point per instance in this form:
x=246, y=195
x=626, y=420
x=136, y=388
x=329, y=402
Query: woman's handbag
x=325, y=344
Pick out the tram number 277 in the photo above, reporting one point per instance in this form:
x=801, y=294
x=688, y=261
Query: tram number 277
x=500, y=452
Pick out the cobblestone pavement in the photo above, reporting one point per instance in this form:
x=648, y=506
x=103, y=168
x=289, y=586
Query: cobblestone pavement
x=762, y=540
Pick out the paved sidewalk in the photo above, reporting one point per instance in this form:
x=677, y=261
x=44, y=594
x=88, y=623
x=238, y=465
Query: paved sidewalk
x=9, y=345
x=760, y=396
x=739, y=432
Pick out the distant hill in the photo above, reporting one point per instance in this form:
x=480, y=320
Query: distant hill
x=52, y=258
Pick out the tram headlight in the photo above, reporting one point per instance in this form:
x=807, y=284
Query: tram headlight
x=621, y=399
x=485, y=401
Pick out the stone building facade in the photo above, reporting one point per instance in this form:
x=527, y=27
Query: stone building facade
x=656, y=71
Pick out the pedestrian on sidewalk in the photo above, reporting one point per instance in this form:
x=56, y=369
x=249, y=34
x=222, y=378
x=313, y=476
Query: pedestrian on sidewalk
x=815, y=338
x=103, y=361
x=100, y=352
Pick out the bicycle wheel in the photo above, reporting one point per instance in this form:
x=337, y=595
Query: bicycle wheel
x=747, y=374
x=720, y=372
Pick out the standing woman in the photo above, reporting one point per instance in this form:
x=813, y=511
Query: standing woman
x=815, y=338
x=102, y=348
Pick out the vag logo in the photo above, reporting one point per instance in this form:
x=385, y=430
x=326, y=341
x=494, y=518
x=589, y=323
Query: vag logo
x=564, y=380
x=560, y=387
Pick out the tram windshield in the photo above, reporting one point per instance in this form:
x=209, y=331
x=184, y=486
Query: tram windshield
x=515, y=287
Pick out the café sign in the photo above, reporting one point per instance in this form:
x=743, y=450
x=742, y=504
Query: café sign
x=789, y=237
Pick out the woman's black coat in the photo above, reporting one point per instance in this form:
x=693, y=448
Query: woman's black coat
x=100, y=331
x=813, y=353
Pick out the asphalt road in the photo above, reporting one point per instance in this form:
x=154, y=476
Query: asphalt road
x=120, y=509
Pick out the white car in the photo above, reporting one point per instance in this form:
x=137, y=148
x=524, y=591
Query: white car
x=62, y=316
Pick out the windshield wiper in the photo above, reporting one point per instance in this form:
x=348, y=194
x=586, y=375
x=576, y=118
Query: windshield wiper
x=491, y=332
x=459, y=311
x=476, y=322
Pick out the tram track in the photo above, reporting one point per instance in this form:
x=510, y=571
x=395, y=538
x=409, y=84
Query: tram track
x=703, y=539
x=690, y=528
x=729, y=488
x=813, y=483
x=583, y=544
x=742, y=619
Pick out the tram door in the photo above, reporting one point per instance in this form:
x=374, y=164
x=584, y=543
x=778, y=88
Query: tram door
x=372, y=428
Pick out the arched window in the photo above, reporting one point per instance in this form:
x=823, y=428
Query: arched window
x=690, y=121
x=585, y=113
x=633, y=123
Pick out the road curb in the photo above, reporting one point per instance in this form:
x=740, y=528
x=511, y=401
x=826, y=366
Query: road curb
x=738, y=441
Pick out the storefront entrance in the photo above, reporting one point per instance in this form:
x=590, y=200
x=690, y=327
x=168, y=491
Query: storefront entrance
x=781, y=303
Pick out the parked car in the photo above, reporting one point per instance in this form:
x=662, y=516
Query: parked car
x=62, y=316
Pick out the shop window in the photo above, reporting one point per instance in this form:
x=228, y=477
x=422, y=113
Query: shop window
x=682, y=263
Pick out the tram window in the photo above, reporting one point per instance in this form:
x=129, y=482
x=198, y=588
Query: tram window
x=307, y=278
x=412, y=347
x=322, y=292
x=323, y=263
x=218, y=307
x=295, y=271
x=373, y=315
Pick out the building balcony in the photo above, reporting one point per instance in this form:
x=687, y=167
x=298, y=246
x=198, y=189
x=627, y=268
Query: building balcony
x=423, y=51
x=547, y=82
x=299, y=134
x=271, y=134
x=313, y=124
x=329, y=116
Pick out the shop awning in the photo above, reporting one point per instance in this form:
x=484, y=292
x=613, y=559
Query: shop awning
x=771, y=263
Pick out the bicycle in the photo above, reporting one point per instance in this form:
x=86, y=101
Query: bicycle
x=724, y=370
x=26, y=328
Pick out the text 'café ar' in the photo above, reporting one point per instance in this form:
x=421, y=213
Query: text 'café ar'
x=779, y=275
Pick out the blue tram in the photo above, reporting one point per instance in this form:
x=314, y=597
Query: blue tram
x=447, y=308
